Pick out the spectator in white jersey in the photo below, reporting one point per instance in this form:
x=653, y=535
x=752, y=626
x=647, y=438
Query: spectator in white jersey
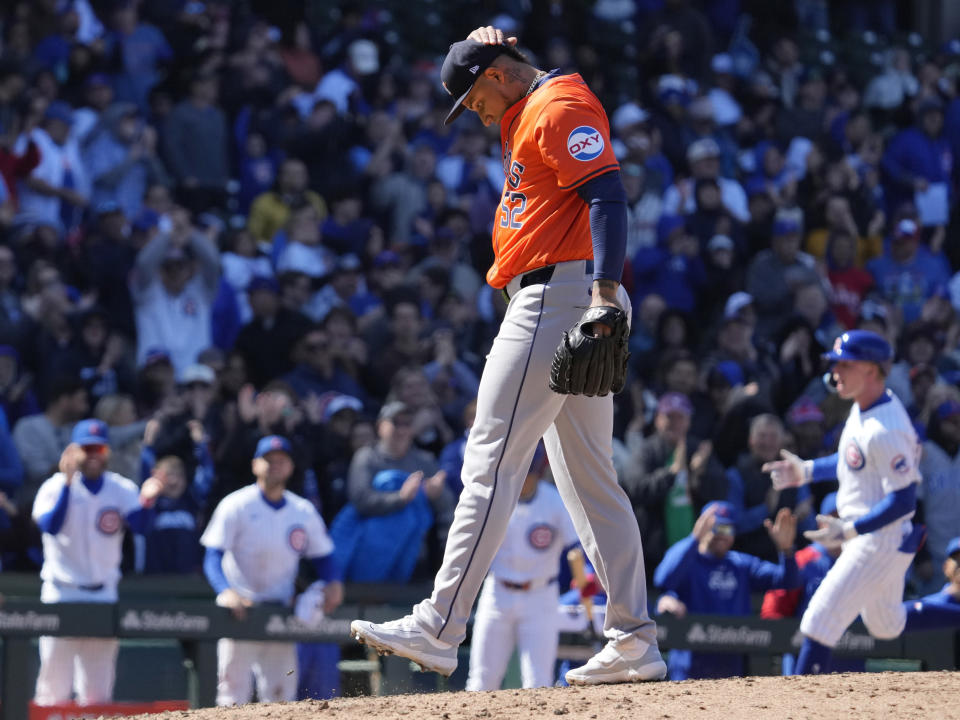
x=174, y=283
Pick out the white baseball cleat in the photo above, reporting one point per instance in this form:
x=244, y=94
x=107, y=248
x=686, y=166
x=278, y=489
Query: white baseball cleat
x=624, y=660
x=405, y=638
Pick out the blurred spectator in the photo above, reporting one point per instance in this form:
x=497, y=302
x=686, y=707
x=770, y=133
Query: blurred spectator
x=173, y=544
x=908, y=273
x=345, y=289
x=41, y=438
x=17, y=398
x=173, y=285
x=241, y=263
x=11, y=314
x=121, y=159
x=271, y=210
x=411, y=386
x=397, y=495
x=58, y=189
x=894, y=85
x=751, y=493
x=316, y=371
x=702, y=574
x=120, y=414
x=805, y=422
x=140, y=50
x=156, y=381
x=940, y=489
x=195, y=146
x=703, y=159
x=267, y=340
x=660, y=475
x=849, y=283
x=918, y=165
x=773, y=274
x=673, y=269
x=11, y=469
x=920, y=348
x=97, y=357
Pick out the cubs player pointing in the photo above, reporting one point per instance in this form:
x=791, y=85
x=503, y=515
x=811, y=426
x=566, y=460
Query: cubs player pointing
x=876, y=467
x=559, y=241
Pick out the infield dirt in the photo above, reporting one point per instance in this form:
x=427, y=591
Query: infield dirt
x=848, y=696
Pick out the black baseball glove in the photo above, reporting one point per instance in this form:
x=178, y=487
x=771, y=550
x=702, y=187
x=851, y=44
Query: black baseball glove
x=589, y=364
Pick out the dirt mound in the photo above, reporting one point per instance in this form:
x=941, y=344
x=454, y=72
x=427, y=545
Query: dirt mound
x=849, y=696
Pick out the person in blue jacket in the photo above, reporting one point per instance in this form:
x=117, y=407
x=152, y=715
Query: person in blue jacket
x=918, y=157
x=941, y=610
x=701, y=574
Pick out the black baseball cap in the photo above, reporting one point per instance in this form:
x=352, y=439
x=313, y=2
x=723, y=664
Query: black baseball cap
x=465, y=62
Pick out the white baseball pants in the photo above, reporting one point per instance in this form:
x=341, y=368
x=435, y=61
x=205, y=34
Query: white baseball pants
x=525, y=619
x=273, y=664
x=86, y=665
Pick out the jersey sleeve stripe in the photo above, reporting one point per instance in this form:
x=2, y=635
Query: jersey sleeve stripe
x=581, y=181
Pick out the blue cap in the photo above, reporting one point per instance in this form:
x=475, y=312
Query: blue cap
x=90, y=432
x=146, y=220
x=262, y=282
x=829, y=504
x=861, y=345
x=948, y=408
x=156, y=355
x=98, y=79
x=9, y=351
x=59, y=110
x=270, y=443
x=724, y=513
x=953, y=546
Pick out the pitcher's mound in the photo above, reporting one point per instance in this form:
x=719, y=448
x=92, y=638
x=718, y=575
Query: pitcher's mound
x=848, y=696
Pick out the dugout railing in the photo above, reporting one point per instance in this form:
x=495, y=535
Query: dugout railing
x=197, y=624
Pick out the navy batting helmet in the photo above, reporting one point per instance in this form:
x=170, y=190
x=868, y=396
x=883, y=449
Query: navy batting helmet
x=862, y=345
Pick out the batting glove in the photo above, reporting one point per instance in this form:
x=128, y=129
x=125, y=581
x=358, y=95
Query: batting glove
x=793, y=473
x=832, y=531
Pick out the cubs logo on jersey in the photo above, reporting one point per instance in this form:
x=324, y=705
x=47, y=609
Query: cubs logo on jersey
x=109, y=521
x=541, y=536
x=853, y=456
x=297, y=538
x=585, y=143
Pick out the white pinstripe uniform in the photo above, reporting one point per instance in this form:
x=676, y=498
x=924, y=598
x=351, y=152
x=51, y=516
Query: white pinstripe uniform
x=879, y=454
x=519, y=598
x=262, y=548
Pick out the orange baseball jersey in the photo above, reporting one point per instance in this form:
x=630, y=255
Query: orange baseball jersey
x=554, y=140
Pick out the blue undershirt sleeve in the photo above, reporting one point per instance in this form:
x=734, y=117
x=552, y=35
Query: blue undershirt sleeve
x=608, y=224
x=213, y=569
x=825, y=468
x=52, y=521
x=893, y=506
x=328, y=569
x=141, y=520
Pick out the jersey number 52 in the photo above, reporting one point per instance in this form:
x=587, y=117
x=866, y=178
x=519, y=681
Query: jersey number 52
x=513, y=203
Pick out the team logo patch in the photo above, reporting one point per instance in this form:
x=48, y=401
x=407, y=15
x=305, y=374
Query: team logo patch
x=109, y=521
x=900, y=465
x=298, y=539
x=585, y=143
x=853, y=456
x=541, y=536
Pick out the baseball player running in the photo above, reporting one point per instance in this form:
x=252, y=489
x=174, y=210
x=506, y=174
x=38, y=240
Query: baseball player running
x=518, y=602
x=254, y=542
x=81, y=512
x=877, y=472
x=558, y=240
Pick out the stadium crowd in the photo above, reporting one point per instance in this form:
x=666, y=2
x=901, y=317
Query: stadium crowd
x=224, y=220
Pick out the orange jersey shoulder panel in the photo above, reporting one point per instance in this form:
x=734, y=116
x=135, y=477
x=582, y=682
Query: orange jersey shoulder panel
x=553, y=141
